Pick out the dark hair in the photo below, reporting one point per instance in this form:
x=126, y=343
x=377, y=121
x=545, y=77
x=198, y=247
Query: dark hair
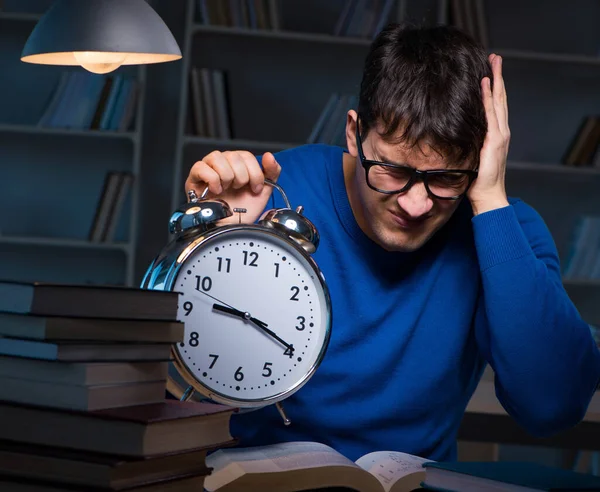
x=426, y=80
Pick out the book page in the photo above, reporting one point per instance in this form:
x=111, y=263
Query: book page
x=278, y=457
x=390, y=466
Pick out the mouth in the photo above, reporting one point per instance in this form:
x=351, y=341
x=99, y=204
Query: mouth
x=406, y=223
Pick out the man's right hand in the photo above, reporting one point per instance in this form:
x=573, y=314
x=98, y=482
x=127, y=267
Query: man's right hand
x=236, y=177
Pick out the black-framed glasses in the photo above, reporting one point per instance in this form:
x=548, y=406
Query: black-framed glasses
x=444, y=184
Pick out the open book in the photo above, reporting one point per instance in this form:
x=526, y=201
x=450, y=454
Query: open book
x=294, y=466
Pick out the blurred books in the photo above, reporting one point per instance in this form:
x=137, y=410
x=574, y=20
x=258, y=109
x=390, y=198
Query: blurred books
x=83, y=373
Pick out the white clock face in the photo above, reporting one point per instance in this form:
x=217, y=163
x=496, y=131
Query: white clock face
x=256, y=317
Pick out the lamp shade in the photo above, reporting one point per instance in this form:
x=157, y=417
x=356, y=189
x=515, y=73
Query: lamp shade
x=100, y=35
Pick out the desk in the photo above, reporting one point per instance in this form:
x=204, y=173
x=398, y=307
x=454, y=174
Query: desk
x=486, y=421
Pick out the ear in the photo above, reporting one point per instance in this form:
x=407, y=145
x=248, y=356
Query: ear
x=351, y=122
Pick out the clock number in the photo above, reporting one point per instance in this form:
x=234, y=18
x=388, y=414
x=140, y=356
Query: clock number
x=238, y=374
x=193, y=339
x=188, y=306
x=302, y=320
x=296, y=291
x=267, y=369
x=214, y=358
x=204, y=283
x=276, y=269
x=289, y=351
x=227, y=264
x=253, y=257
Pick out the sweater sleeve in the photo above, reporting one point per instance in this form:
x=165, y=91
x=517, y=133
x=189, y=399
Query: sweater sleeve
x=546, y=362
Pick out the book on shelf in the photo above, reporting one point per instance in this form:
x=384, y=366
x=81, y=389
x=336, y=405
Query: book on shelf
x=85, y=101
x=330, y=126
x=83, y=373
x=504, y=476
x=363, y=18
x=109, y=206
x=582, y=149
x=247, y=14
x=210, y=106
x=85, y=469
x=469, y=16
x=87, y=301
x=583, y=260
x=138, y=431
x=292, y=466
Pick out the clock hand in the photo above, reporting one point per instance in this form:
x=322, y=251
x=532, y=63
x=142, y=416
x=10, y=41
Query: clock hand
x=261, y=324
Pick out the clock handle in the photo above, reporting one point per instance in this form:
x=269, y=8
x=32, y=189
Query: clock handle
x=279, y=406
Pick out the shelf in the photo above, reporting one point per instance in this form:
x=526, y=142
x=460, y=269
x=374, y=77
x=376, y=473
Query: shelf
x=560, y=169
x=549, y=57
x=35, y=130
x=238, y=144
x=279, y=35
x=20, y=16
x=62, y=243
x=331, y=39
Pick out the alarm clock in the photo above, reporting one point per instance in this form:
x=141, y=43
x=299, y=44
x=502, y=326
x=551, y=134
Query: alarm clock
x=255, y=305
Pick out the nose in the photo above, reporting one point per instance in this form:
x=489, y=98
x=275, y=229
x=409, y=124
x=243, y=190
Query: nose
x=415, y=202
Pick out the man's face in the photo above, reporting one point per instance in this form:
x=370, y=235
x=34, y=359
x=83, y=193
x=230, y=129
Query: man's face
x=398, y=222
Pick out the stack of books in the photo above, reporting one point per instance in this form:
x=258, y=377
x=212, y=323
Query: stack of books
x=83, y=373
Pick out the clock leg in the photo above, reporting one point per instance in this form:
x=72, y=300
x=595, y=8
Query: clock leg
x=279, y=406
x=187, y=394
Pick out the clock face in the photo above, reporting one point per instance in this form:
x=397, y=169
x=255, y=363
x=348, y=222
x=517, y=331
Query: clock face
x=256, y=316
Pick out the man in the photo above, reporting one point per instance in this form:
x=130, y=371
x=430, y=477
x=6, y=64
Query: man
x=433, y=271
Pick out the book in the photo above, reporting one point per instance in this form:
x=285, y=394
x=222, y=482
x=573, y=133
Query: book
x=85, y=352
x=39, y=327
x=94, y=397
x=87, y=301
x=302, y=465
x=504, y=476
x=179, y=484
x=82, y=373
x=97, y=470
x=136, y=431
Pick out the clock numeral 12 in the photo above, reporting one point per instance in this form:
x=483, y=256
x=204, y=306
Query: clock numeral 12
x=253, y=258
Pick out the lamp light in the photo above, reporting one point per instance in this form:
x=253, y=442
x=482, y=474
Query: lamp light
x=100, y=35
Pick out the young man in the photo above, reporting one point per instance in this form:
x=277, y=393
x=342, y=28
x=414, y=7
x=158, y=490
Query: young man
x=433, y=272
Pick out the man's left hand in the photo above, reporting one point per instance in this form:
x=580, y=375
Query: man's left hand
x=488, y=191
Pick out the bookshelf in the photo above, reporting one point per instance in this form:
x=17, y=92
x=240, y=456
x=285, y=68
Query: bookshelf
x=287, y=74
x=53, y=177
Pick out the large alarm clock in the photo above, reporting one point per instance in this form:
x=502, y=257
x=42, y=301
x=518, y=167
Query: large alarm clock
x=256, y=307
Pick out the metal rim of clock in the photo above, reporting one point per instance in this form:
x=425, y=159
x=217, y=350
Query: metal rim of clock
x=129, y=27
x=182, y=368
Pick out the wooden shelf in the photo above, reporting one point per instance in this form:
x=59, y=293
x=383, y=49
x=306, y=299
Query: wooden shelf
x=63, y=243
x=20, y=16
x=238, y=144
x=281, y=35
x=559, y=169
x=35, y=130
x=346, y=40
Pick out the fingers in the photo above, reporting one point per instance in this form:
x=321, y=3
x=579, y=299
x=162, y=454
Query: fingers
x=271, y=167
x=499, y=94
x=488, y=104
x=221, y=171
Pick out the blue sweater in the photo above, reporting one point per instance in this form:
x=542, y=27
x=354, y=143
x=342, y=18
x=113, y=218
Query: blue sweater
x=412, y=332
